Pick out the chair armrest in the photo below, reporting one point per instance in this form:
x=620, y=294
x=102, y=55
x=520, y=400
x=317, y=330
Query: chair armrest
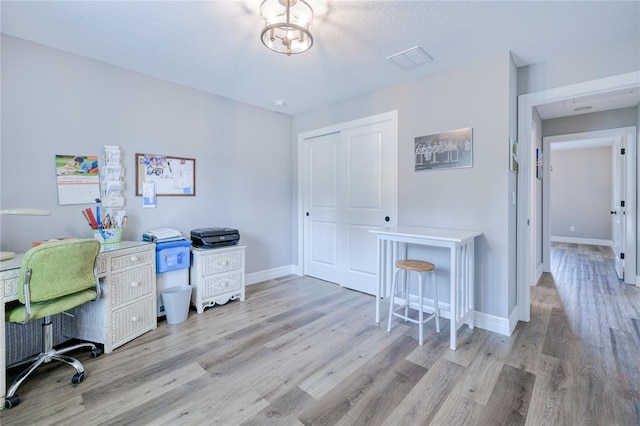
x=27, y=296
x=98, y=288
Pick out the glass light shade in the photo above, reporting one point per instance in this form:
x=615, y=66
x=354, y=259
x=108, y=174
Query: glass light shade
x=286, y=25
x=6, y=255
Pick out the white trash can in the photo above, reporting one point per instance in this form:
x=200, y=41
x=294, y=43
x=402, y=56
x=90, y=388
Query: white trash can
x=166, y=280
x=176, y=303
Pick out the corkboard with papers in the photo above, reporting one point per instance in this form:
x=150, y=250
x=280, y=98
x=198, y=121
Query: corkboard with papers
x=171, y=175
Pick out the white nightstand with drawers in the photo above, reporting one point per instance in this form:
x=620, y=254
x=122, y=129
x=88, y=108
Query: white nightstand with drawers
x=217, y=276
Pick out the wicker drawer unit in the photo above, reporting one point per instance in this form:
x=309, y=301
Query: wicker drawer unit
x=131, y=259
x=8, y=291
x=131, y=285
x=9, y=281
x=217, y=276
x=127, y=308
x=132, y=320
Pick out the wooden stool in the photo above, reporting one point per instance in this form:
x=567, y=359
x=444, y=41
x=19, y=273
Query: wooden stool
x=421, y=267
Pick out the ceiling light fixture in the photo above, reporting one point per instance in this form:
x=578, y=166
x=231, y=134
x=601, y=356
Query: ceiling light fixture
x=286, y=25
x=5, y=255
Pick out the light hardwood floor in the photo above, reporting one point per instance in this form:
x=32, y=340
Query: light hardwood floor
x=304, y=351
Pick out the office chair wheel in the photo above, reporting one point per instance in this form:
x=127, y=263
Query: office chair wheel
x=11, y=401
x=77, y=378
x=95, y=353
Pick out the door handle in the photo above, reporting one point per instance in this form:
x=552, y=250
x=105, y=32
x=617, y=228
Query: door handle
x=613, y=212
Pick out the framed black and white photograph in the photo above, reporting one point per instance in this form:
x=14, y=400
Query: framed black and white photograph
x=452, y=149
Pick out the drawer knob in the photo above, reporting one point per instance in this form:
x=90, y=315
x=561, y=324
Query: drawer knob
x=134, y=259
x=134, y=284
x=134, y=319
x=225, y=263
x=225, y=284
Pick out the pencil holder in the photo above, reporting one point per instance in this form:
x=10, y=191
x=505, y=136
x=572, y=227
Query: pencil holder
x=108, y=236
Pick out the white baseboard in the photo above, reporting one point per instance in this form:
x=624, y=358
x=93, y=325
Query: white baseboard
x=484, y=321
x=493, y=323
x=513, y=320
x=588, y=241
x=270, y=274
x=539, y=271
x=297, y=269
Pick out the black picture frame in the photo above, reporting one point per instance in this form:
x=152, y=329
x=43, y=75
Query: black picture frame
x=446, y=150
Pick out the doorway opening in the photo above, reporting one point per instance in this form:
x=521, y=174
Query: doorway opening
x=606, y=156
x=528, y=207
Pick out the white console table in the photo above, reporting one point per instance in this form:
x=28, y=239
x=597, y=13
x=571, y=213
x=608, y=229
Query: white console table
x=392, y=245
x=126, y=310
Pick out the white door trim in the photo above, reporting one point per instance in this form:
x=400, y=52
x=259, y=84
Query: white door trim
x=526, y=152
x=391, y=116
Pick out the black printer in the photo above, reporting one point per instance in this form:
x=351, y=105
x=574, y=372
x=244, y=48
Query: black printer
x=206, y=238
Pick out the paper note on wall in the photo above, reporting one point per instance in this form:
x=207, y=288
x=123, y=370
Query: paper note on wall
x=149, y=194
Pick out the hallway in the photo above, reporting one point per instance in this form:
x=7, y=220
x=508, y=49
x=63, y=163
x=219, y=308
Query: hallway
x=590, y=358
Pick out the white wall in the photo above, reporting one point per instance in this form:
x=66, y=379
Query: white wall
x=477, y=95
x=593, y=64
x=512, y=195
x=580, y=193
x=58, y=103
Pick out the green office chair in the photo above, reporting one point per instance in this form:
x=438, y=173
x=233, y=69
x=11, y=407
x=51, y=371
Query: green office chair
x=55, y=277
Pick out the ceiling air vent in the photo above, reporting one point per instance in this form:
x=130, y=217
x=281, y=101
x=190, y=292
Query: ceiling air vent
x=410, y=58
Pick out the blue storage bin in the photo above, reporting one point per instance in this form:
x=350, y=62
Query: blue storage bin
x=172, y=255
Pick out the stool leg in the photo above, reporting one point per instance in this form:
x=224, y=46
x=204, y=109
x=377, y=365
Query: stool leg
x=406, y=277
x=420, y=312
x=391, y=299
x=436, y=308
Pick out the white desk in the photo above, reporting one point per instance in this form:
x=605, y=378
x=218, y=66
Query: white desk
x=392, y=245
x=126, y=310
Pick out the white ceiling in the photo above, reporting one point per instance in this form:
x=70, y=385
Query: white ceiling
x=215, y=46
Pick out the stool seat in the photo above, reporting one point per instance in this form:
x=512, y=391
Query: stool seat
x=421, y=267
x=415, y=265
